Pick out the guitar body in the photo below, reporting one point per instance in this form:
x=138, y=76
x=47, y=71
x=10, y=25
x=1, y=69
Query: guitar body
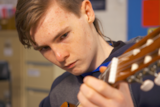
x=66, y=104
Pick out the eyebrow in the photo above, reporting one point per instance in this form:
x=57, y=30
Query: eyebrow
x=57, y=35
x=38, y=47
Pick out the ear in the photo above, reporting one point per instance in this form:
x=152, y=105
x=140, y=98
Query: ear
x=87, y=10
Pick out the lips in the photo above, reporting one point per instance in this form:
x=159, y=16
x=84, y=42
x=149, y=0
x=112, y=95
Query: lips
x=69, y=66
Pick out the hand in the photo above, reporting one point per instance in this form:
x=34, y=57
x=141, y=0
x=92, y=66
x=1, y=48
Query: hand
x=97, y=93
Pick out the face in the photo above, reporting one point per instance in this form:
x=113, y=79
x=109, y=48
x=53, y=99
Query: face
x=66, y=40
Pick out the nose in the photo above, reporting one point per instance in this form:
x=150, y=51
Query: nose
x=61, y=54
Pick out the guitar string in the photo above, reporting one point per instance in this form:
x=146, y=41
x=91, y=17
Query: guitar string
x=126, y=55
x=138, y=60
x=143, y=46
x=102, y=76
x=121, y=59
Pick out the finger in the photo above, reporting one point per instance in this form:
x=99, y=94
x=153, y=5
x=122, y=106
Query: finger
x=102, y=69
x=84, y=102
x=79, y=105
x=101, y=87
x=92, y=96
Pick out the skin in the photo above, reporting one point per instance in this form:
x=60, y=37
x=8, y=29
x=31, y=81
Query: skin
x=78, y=48
x=97, y=93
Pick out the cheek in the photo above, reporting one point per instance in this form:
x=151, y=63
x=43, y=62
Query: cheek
x=82, y=43
x=85, y=41
x=50, y=56
x=82, y=48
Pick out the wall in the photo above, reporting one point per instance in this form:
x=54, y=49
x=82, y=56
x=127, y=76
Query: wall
x=136, y=17
x=14, y=2
x=114, y=19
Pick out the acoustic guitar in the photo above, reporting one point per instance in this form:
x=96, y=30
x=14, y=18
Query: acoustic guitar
x=140, y=60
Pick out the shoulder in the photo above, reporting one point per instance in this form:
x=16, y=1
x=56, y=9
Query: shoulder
x=139, y=97
x=46, y=101
x=59, y=79
x=64, y=88
x=134, y=40
x=130, y=42
x=145, y=99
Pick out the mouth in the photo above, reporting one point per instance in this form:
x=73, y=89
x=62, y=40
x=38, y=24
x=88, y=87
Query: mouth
x=71, y=65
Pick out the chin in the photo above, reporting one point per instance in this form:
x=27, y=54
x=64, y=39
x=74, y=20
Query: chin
x=76, y=72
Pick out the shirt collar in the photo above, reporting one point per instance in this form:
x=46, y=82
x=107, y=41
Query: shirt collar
x=116, y=45
x=96, y=70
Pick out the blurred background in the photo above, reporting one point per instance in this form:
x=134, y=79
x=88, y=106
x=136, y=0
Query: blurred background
x=26, y=77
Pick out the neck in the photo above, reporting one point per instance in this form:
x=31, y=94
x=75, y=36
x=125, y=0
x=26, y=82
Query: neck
x=103, y=51
x=104, y=48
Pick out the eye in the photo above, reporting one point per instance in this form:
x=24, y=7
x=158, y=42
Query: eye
x=64, y=36
x=43, y=49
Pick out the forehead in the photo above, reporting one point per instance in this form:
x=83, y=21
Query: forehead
x=54, y=15
x=53, y=20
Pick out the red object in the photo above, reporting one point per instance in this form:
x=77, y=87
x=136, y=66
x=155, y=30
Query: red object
x=4, y=12
x=151, y=13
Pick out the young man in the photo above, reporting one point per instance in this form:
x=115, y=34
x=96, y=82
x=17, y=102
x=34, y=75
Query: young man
x=66, y=33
